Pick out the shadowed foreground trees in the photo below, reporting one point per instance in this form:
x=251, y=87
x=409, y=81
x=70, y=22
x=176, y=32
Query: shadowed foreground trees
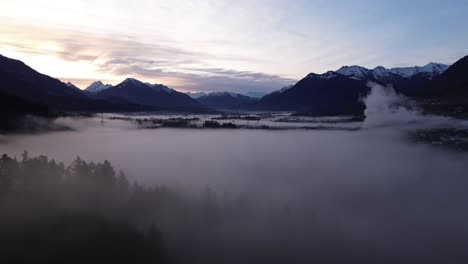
x=89, y=213
x=76, y=214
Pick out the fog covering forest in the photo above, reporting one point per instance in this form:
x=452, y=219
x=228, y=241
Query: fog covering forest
x=82, y=213
x=89, y=213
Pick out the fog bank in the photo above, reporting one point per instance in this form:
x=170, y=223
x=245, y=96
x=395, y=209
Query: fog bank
x=363, y=195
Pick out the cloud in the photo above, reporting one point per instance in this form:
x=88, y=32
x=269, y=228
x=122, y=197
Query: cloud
x=122, y=56
x=200, y=79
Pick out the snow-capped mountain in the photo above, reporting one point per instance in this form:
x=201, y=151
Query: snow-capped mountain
x=354, y=71
x=380, y=73
x=431, y=69
x=97, y=86
x=339, y=92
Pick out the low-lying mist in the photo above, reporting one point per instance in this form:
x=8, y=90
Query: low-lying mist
x=290, y=196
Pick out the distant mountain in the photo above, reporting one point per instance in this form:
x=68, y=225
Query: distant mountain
x=225, y=100
x=72, y=86
x=440, y=87
x=255, y=94
x=196, y=95
x=339, y=92
x=430, y=70
x=97, y=86
x=145, y=94
x=382, y=74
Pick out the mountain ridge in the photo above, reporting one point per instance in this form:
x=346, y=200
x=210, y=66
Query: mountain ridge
x=146, y=94
x=340, y=92
x=225, y=100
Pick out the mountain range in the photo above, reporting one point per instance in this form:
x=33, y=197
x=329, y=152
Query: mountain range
x=21, y=83
x=225, y=100
x=339, y=92
x=332, y=93
x=146, y=94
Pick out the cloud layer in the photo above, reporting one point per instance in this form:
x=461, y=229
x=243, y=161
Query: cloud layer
x=116, y=57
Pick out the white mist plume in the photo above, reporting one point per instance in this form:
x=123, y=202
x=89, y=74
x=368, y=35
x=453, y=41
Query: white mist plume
x=384, y=107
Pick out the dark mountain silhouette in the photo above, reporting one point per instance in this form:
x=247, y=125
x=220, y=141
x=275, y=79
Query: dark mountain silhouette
x=225, y=100
x=154, y=95
x=447, y=94
x=72, y=86
x=18, y=79
x=318, y=95
x=36, y=91
x=12, y=108
x=453, y=82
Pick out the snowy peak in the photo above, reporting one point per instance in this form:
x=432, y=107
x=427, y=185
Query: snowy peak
x=97, y=86
x=434, y=68
x=431, y=70
x=381, y=73
x=361, y=73
x=354, y=71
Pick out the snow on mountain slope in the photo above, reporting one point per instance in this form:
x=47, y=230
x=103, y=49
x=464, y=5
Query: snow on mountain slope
x=354, y=71
x=160, y=88
x=381, y=73
x=97, y=86
x=432, y=69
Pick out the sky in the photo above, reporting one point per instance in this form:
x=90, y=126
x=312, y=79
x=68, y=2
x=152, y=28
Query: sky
x=220, y=45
